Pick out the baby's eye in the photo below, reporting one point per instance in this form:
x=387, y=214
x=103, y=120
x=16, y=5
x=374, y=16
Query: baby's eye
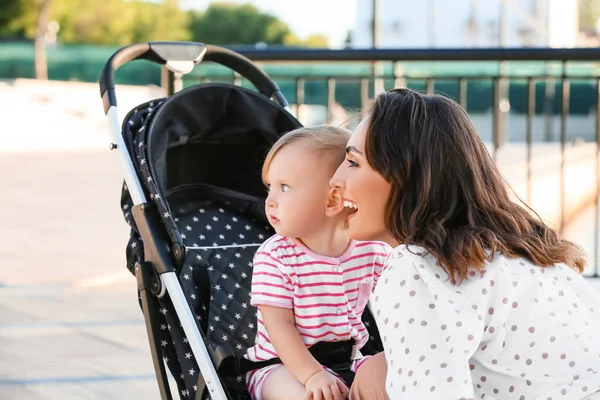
x=285, y=188
x=268, y=188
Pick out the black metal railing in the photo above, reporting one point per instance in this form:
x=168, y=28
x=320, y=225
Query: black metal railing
x=539, y=87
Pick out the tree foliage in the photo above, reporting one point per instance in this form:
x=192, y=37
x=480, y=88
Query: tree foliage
x=224, y=23
x=316, y=40
x=109, y=22
x=18, y=18
x=227, y=24
x=120, y=22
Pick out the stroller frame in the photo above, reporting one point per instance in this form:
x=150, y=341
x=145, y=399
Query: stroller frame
x=157, y=275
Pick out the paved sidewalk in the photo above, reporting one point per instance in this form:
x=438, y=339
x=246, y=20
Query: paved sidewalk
x=70, y=326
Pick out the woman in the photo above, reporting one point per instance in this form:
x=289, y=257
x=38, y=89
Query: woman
x=480, y=299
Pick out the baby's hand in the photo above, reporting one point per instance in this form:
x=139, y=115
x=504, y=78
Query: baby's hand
x=325, y=386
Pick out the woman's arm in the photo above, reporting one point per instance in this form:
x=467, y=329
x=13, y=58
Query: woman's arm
x=427, y=343
x=288, y=343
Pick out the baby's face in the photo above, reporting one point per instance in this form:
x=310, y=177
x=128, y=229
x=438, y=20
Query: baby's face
x=298, y=182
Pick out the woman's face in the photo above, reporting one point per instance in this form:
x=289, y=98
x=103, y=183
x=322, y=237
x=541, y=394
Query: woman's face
x=364, y=190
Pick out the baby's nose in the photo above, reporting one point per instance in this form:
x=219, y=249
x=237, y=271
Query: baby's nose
x=270, y=202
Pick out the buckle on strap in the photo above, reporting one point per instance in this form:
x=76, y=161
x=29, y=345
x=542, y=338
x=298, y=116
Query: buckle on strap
x=337, y=356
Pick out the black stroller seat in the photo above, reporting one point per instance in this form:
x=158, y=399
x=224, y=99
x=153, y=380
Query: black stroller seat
x=221, y=236
x=194, y=200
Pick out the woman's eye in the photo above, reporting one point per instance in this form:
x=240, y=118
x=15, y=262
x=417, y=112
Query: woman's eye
x=352, y=164
x=285, y=188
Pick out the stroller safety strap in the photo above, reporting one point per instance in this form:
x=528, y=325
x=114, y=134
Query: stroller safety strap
x=338, y=356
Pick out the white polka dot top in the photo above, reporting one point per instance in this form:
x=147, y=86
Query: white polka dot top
x=516, y=332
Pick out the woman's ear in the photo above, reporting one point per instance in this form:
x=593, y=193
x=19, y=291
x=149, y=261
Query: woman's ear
x=335, y=202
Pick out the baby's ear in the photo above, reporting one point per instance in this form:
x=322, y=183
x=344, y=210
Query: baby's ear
x=335, y=202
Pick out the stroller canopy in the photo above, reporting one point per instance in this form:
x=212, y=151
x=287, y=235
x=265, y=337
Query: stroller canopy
x=227, y=131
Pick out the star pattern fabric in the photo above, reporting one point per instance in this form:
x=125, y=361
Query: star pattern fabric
x=221, y=233
x=216, y=276
x=220, y=243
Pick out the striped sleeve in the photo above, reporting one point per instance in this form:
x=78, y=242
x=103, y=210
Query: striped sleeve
x=271, y=285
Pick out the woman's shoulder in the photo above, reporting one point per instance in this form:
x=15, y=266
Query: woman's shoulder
x=411, y=262
x=413, y=255
x=498, y=264
x=413, y=277
x=406, y=250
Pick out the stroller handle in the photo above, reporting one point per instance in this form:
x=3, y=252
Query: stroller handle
x=174, y=54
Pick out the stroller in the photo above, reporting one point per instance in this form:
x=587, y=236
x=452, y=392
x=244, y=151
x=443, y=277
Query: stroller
x=194, y=199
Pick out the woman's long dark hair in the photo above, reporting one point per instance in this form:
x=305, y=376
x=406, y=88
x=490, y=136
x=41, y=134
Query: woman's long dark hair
x=447, y=194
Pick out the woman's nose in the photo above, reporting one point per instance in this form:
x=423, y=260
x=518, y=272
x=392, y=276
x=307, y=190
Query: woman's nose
x=338, y=181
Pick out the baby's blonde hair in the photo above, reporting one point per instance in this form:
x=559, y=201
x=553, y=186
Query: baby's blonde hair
x=324, y=137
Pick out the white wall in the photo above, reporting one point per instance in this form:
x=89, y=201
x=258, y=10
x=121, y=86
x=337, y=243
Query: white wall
x=406, y=23
x=563, y=20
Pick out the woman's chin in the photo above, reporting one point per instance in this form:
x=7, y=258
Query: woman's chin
x=356, y=230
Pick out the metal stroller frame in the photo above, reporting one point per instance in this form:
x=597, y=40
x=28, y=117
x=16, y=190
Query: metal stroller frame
x=179, y=57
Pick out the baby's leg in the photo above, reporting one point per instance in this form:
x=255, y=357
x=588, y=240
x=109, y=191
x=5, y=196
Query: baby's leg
x=280, y=384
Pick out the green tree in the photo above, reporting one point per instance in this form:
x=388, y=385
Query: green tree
x=225, y=24
x=109, y=22
x=231, y=24
x=164, y=21
x=18, y=18
x=120, y=22
x=316, y=40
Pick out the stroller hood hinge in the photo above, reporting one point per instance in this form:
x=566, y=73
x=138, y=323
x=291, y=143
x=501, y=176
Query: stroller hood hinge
x=147, y=278
x=177, y=247
x=156, y=241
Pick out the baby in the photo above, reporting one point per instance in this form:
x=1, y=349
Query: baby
x=311, y=283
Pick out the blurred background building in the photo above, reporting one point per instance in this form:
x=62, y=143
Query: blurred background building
x=470, y=23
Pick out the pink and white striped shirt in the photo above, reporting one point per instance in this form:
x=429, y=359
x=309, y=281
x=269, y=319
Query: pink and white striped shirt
x=328, y=295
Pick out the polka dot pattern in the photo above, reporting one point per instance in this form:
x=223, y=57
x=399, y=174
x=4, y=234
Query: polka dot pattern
x=515, y=331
